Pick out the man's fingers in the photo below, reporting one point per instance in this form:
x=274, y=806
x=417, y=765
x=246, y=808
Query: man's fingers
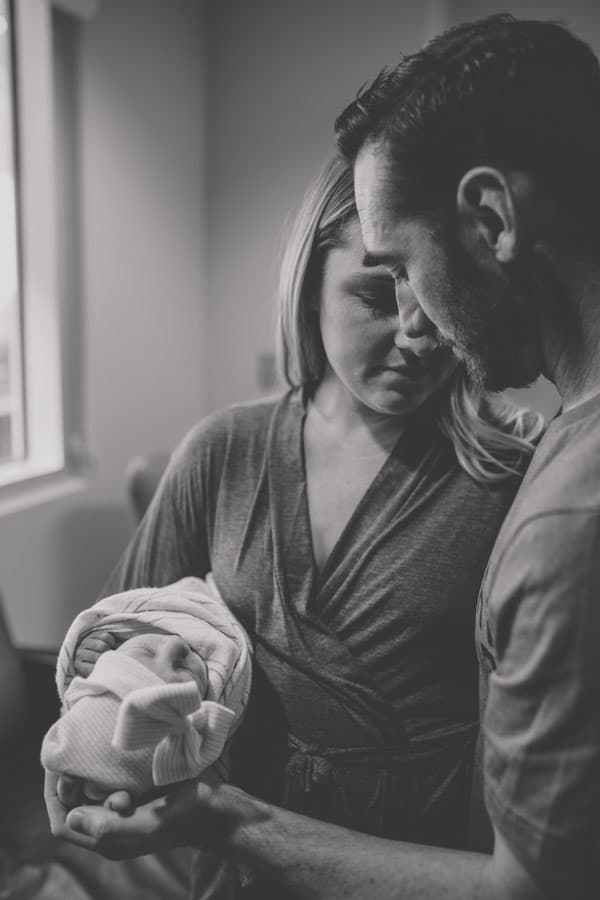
x=103, y=823
x=118, y=830
x=120, y=802
x=114, y=835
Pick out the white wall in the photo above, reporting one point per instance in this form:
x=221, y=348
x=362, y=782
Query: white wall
x=141, y=326
x=279, y=72
x=581, y=16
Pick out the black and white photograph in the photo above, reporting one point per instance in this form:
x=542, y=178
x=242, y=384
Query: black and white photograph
x=299, y=450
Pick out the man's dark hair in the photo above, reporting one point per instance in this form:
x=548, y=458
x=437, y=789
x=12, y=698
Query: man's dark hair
x=499, y=91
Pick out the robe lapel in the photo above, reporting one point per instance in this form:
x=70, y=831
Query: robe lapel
x=290, y=638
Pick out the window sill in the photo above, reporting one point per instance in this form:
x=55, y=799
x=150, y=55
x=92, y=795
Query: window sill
x=16, y=498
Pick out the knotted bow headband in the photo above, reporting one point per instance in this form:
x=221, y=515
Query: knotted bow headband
x=125, y=728
x=187, y=732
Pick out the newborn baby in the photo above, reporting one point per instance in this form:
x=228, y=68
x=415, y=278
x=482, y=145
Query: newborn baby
x=160, y=707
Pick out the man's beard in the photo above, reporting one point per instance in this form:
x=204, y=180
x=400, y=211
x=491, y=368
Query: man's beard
x=494, y=330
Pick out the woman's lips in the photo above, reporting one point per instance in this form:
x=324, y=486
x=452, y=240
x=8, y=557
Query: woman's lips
x=403, y=373
x=410, y=370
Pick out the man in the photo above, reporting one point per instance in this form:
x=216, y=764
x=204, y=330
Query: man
x=477, y=172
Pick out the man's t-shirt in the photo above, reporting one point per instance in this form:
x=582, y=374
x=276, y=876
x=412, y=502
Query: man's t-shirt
x=538, y=631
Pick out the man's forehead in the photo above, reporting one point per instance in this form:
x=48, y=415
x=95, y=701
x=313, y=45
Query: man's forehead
x=381, y=226
x=369, y=179
x=373, y=192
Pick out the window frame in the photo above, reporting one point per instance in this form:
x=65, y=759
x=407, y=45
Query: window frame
x=49, y=456
x=38, y=264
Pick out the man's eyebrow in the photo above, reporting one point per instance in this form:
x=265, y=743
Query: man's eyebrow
x=370, y=260
x=368, y=277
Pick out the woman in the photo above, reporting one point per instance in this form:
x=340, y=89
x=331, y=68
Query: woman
x=348, y=524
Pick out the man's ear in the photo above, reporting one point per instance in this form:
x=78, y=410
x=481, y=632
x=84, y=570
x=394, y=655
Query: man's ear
x=486, y=205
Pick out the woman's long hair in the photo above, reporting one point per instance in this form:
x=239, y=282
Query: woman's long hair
x=493, y=438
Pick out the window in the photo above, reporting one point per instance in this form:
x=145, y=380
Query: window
x=12, y=432
x=31, y=425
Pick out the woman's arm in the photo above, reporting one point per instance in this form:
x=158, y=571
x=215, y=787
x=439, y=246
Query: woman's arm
x=171, y=541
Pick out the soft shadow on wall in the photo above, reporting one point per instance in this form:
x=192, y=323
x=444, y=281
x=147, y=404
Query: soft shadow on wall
x=87, y=542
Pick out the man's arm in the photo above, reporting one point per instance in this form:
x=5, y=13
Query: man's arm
x=317, y=861
x=309, y=860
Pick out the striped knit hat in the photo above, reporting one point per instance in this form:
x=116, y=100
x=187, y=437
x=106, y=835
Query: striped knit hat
x=124, y=728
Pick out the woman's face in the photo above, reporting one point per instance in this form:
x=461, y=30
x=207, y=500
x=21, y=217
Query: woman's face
x=169, y=657
x=379, y=344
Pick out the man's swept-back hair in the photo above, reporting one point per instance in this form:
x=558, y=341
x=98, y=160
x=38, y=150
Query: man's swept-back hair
x=493, y=438
x=520, y=94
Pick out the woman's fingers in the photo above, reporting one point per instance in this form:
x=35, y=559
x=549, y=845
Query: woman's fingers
x=54, y=806
x=69, y=790
x=57, y=812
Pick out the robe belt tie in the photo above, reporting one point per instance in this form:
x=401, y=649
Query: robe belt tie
x=309, y=769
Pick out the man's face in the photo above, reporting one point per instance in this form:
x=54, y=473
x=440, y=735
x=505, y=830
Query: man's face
x=369, y=354
x=476, y=305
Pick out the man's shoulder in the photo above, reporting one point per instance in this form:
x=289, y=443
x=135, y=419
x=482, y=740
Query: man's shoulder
x=562, y=485
x=550, y=550
x=549, y=545
x=538, y=631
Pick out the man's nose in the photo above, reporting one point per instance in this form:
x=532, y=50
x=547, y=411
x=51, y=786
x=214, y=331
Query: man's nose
x=415, y=331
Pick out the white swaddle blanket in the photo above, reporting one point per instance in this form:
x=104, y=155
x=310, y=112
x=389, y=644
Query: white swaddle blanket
x=119, y=692
x=192, y=608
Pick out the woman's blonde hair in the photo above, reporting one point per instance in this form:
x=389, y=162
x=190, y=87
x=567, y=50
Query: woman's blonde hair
x=493, y=438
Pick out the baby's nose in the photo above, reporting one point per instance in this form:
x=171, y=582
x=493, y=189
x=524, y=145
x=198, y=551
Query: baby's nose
x=175, y=648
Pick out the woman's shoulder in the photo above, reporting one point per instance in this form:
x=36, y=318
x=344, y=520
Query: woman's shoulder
x=246, y=422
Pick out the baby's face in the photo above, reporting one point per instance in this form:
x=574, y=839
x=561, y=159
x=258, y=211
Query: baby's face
x=169, y=657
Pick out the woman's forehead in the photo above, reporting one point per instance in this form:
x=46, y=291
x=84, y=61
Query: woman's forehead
x=350, y=257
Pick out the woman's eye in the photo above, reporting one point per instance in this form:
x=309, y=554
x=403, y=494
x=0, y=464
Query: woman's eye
x=379, y=304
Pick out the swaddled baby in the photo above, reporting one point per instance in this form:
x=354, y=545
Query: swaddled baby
x=160, y=707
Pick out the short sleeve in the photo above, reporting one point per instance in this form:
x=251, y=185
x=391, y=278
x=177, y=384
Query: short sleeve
x=542, y=718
